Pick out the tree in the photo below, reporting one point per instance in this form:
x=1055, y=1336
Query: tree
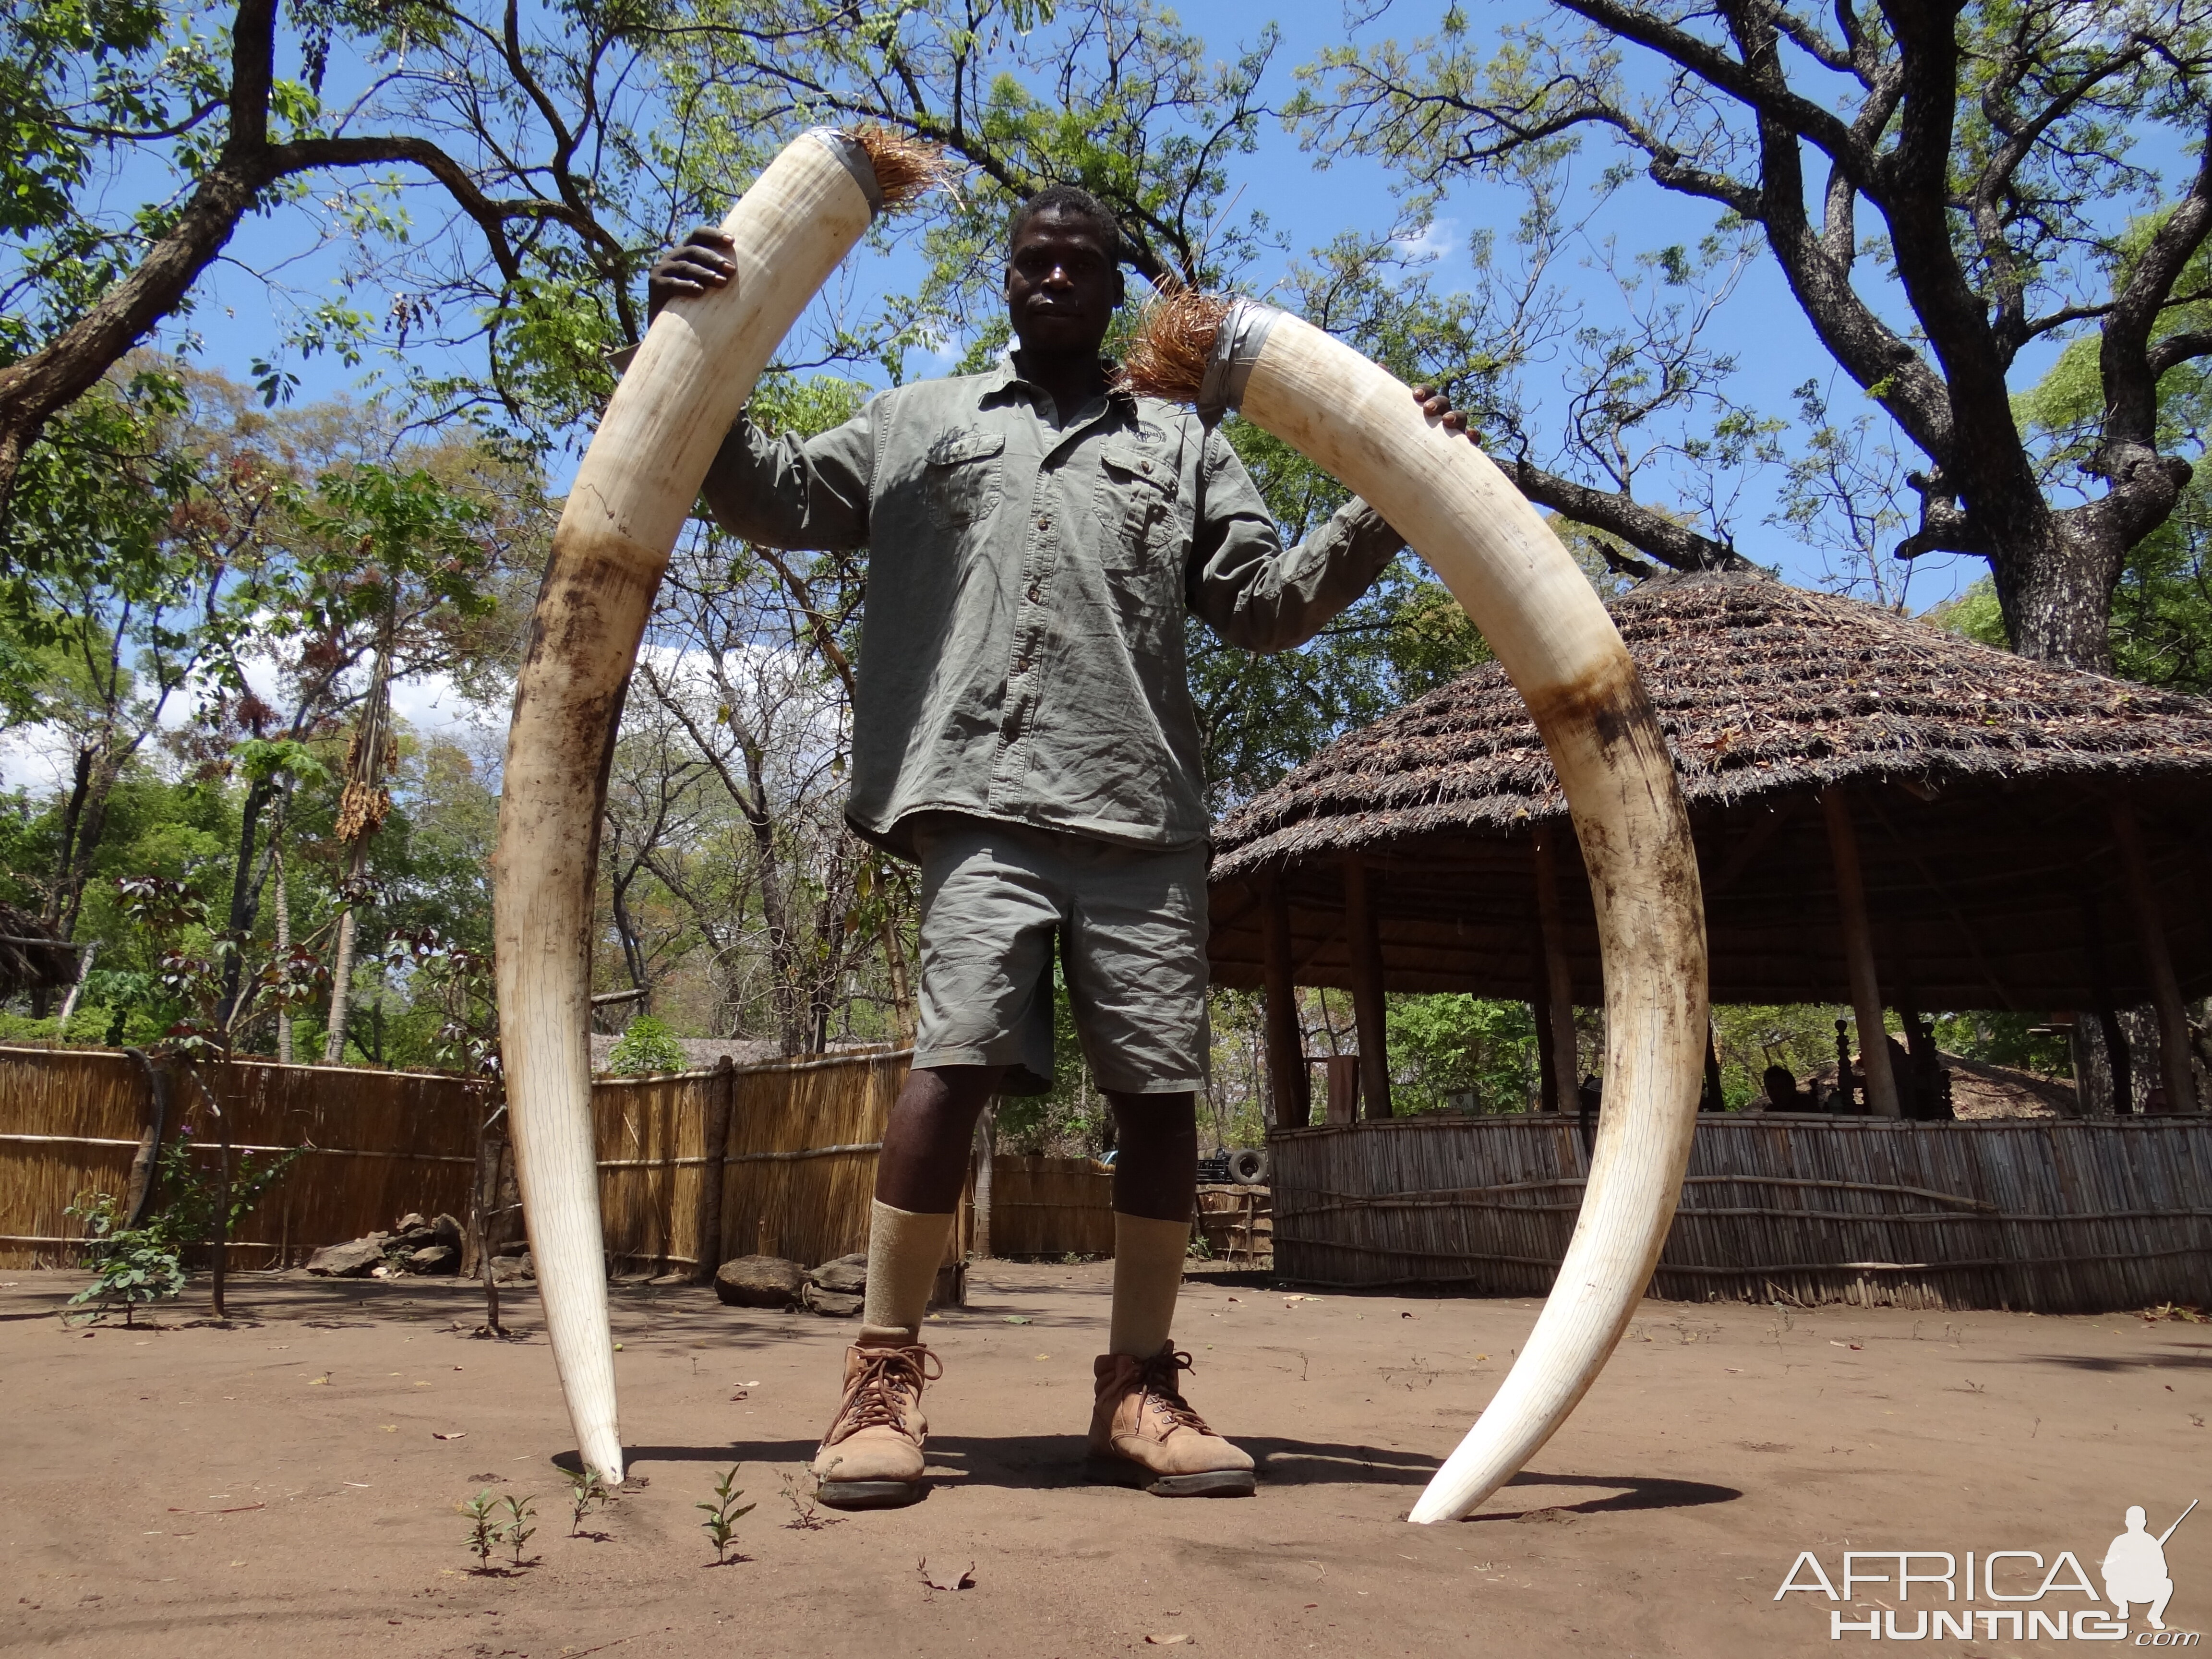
x=1992, y=143
x=137, y=144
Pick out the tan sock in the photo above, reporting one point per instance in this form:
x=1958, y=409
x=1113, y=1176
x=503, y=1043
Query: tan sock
x=904, y=1252
x=1148, y=1258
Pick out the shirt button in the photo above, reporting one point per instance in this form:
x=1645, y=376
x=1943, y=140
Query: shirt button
x=1036, y=592
x=1044, y=524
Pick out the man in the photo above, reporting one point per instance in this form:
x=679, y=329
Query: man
x=1023, y=729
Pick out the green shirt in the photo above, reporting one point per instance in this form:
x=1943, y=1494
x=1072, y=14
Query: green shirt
x=1022, y=643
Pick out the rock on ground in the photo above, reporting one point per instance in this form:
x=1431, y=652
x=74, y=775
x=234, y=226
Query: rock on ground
x=351, y=1259
x=833, y=1305
x=434, y=1259
x=842, y=1277
x=760, y=1281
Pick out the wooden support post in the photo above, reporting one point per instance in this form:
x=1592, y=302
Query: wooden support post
x=1540, y=1008
x=2178, y=1075
x=1712, y=1100
x=1858, y=957
x=1287, y=1080
x=714, y=1134
x=1558, y=1029
x=2119, y=1059
x=1363, y=944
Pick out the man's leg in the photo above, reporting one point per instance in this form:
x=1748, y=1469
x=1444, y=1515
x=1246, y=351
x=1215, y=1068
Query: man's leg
x=918, y=1176
x=1137, y=978
x=1155, y=1190
x=987, y=928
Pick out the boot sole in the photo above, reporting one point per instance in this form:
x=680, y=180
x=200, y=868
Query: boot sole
x=869, y=1494
x=1209, y=1483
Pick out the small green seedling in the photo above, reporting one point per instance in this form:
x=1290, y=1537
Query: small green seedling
x=803, y=1505
x=518, y=1525
x=519, y=1513
x=723, y=1515
x=586, y=1491
x=483, y=1529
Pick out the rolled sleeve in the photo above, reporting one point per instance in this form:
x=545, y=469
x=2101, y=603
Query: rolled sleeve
x=794, y=492
x=1252, y=592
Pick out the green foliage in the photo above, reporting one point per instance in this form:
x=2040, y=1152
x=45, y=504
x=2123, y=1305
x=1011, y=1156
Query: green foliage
x=647, y=1047
x=2002, y=1038
x=724, y=1513
x=131, y=1264
x=1450, y=1052
x=189, y=1208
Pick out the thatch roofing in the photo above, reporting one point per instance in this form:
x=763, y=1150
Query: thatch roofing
x=27, y=961
x=1981, y=782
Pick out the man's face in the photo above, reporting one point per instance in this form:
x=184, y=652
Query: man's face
x=1061, y=287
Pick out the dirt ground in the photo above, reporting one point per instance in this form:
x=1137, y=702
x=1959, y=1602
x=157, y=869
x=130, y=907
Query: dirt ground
x=283, y=1487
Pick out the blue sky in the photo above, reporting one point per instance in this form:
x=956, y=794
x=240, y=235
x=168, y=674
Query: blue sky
x=1760, y=326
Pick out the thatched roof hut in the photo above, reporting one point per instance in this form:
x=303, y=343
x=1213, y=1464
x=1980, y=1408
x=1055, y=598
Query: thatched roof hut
x=30, y=957
x=1993, y=801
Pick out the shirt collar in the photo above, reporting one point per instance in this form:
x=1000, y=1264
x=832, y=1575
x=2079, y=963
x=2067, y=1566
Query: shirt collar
x=1004, y=380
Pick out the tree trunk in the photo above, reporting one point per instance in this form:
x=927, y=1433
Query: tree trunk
x=245, y=895
x=283, y=938
x=2055, y=591
x=987, y=1147
x=361, y=807
x=902, y=1012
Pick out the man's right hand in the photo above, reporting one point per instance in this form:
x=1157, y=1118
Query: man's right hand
x=702, y=264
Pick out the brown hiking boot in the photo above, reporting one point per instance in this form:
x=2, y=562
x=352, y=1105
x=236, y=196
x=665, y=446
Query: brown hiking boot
x=872, y=1457
x=1142, y=1432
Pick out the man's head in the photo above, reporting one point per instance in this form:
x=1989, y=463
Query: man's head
x=1063, y=272
x=2135, y=1517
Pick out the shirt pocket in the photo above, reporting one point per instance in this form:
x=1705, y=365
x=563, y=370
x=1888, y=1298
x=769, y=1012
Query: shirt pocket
x=1140, y=533
x=1135, y=507
x=960, y=477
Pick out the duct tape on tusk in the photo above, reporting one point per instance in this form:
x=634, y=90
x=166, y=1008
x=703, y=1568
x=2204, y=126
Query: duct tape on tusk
x=850, y=151
x=1236, y=345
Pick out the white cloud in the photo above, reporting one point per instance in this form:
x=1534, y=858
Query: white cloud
x=1433, y=241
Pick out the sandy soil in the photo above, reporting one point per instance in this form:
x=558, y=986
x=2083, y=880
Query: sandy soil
x=279, y=1486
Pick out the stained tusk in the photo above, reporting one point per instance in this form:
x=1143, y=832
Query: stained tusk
x=636, y=486
x=1556, y=642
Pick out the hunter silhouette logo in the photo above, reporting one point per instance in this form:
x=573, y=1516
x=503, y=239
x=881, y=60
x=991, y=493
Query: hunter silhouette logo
x=2133, y=1568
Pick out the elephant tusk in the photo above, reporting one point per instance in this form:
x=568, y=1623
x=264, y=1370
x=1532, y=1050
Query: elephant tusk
x=1556, y=642
x=634, y=489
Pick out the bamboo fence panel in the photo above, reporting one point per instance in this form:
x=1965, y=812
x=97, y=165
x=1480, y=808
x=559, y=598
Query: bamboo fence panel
x=800, y=1163
x=1051, y=1206
x=377, y=1144
x=649, y=1134
x=797, y=1167
x=2038, y=1215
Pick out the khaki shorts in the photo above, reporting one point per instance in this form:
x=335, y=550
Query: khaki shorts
x=1131, y=923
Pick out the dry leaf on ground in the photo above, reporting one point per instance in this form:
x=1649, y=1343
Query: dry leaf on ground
x=947, y=1578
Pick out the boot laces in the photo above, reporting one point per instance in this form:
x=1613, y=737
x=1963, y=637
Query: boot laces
x=889, y=1378
x=1157, y=1376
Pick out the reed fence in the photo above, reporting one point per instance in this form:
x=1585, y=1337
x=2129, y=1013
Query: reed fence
x=2040, y=1215
x=777, y=1158
x=373, y=1145
x=1051, y=1206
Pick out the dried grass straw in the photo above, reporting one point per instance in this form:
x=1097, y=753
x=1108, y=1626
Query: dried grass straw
x=1166, y=358
x=905, y=168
